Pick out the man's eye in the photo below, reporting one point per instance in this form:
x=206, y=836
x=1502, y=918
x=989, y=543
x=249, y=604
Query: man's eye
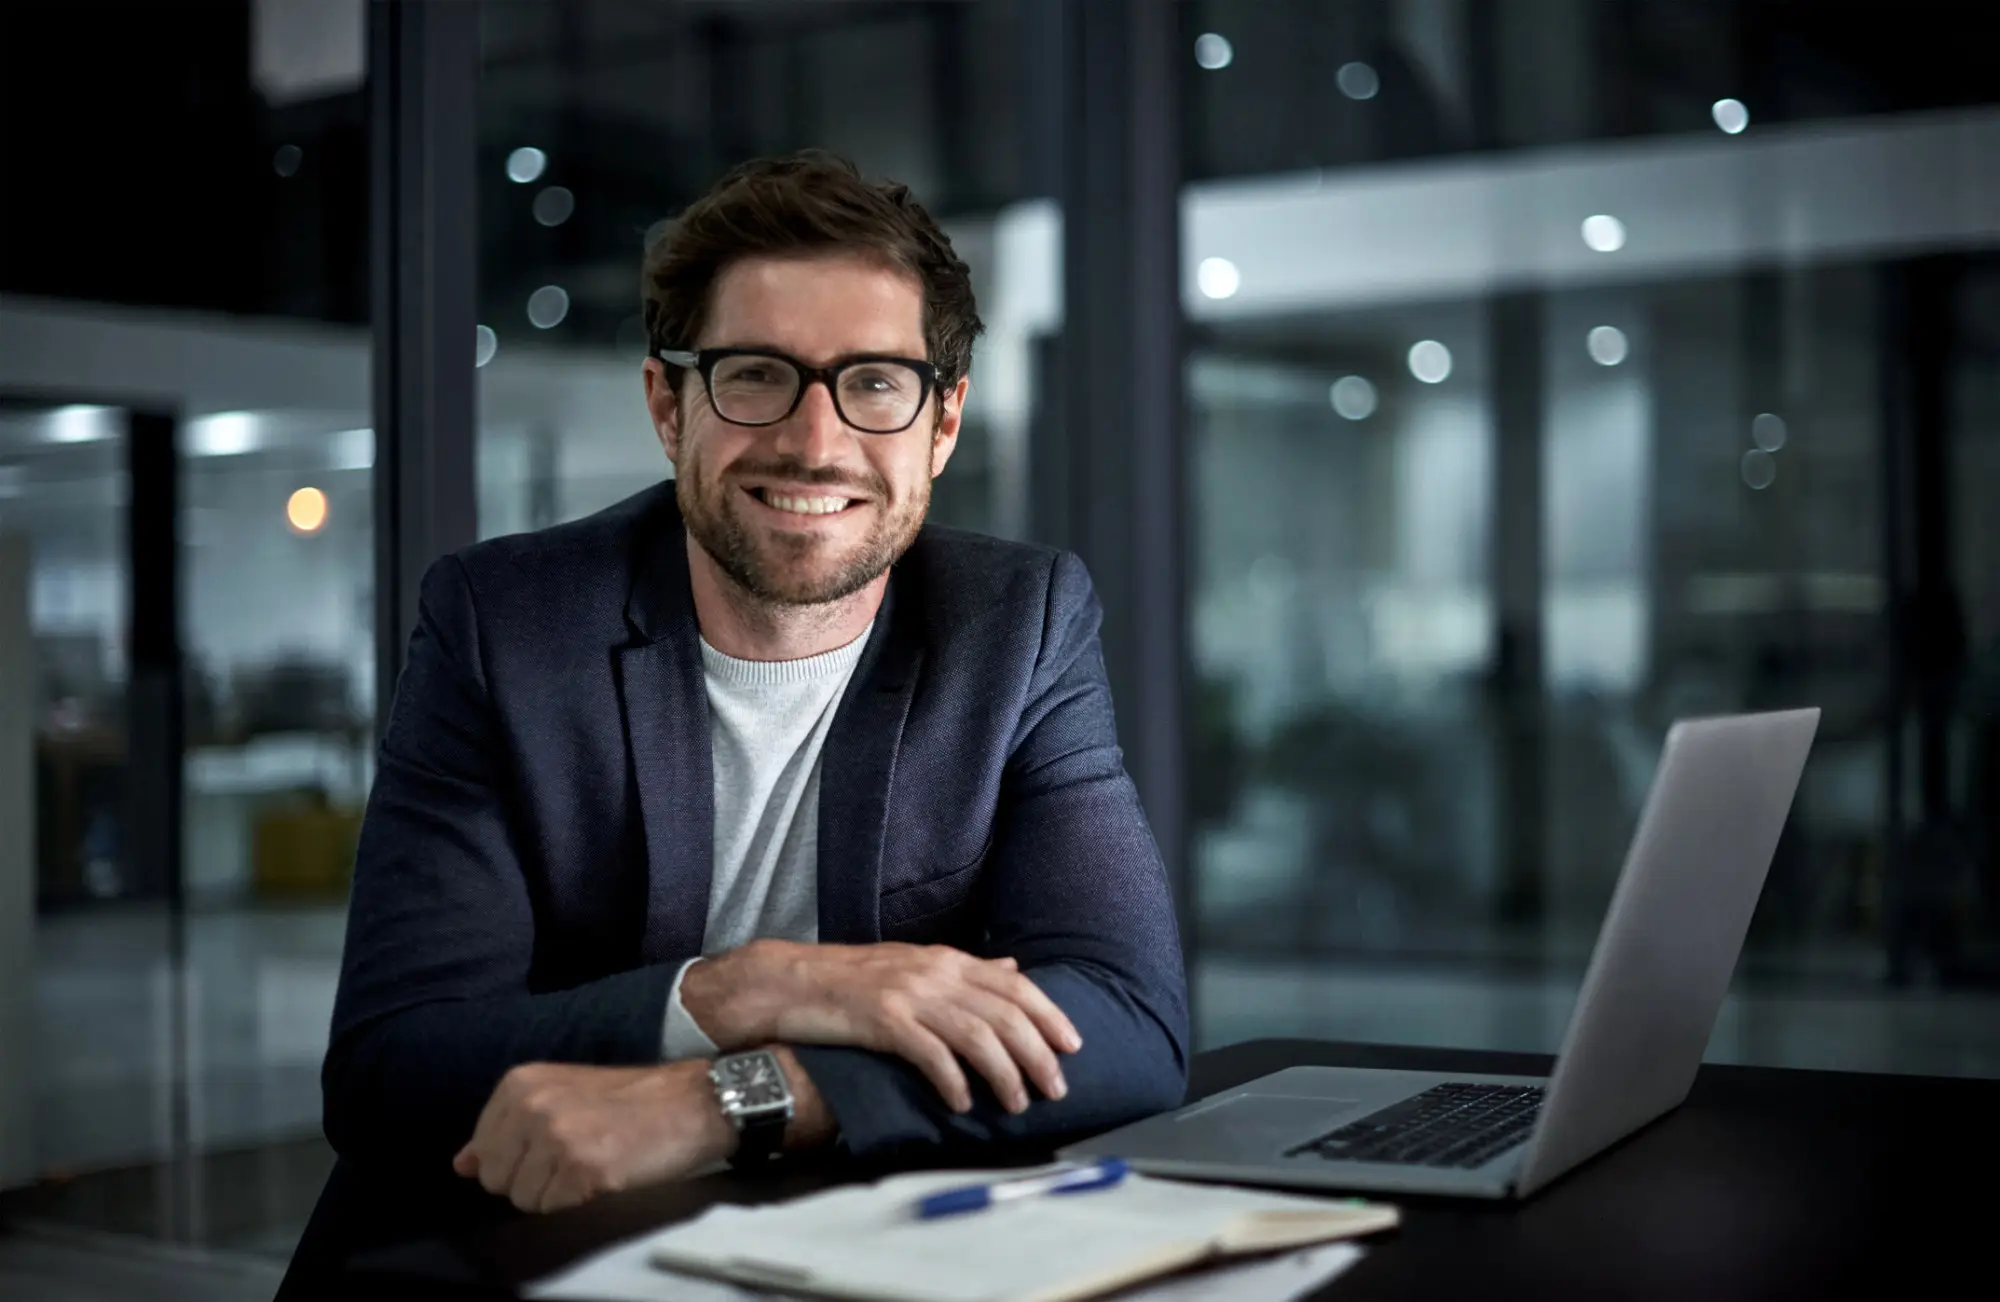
x=875, y=382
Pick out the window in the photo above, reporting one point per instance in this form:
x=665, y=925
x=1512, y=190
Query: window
x=1556, y=373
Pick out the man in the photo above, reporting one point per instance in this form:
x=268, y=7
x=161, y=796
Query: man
x=752, y=814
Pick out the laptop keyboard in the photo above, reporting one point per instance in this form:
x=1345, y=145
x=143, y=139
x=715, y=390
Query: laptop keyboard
x=1457, y=1125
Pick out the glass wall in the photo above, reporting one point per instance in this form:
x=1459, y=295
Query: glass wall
x=599, y=119
x=1558, y=371
x=186, y=235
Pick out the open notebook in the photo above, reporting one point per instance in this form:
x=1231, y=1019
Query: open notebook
x=864, y=1242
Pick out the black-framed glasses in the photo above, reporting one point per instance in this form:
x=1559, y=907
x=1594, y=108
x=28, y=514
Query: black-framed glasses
x=751, y=386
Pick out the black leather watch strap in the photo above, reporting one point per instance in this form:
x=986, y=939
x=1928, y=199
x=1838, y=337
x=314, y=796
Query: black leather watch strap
x=759, y=1140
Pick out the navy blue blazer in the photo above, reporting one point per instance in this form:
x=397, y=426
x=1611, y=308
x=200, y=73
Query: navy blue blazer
x=535, y=860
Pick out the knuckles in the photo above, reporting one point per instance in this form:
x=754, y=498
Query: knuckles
x=523, y=1082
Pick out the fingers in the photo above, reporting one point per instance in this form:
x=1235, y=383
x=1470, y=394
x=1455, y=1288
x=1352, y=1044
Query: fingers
x=945, y=1005
x=572, y=1186
x=494, y=1151
x=1026, y=1044
x=1054, y=1024
x=499, y=1159
x=533, y=1175
x=1001, y=1043
x=930, y=1055
x=977, y=1043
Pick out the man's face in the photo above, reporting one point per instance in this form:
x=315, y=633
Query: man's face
x=808, y=510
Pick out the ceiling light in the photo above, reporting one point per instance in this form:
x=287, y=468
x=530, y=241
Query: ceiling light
x=80, y=424
x=225, y=434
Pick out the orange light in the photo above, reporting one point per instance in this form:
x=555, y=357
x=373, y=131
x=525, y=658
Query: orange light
x=306, y=511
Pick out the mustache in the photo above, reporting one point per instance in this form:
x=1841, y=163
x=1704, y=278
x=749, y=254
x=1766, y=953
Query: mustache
x=793, y=471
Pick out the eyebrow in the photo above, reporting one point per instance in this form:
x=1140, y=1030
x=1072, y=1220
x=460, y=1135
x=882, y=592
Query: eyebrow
x=866, y=355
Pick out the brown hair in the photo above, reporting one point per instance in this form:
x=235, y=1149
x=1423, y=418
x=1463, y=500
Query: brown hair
x=804, y=204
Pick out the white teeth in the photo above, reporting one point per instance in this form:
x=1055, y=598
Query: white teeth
x=804, y=505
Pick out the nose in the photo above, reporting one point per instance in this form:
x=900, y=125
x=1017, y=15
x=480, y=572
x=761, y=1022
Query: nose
x=814, y=433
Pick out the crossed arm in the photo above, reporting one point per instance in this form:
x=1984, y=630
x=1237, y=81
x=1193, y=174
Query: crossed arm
x=439, y=1049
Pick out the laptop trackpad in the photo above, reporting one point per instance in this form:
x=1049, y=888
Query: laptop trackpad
x=1253, y=1125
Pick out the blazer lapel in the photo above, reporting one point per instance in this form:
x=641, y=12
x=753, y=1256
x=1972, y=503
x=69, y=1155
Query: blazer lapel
x=857, y=767
x=666, y=726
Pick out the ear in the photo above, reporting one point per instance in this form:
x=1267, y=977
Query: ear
x=951, y=410
x=663, y=404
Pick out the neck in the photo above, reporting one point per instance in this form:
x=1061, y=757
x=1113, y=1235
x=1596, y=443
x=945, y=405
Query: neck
x=738, y=624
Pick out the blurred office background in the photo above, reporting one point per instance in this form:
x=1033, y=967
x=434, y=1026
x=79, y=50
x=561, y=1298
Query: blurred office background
x=1524, y=374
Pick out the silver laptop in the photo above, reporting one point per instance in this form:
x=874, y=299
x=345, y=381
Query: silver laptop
x=1648, y=1003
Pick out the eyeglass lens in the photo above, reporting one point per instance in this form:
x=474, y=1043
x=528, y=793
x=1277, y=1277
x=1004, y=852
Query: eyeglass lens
x=877, y=396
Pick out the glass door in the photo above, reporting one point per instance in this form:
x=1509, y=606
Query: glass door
x=89, y=1007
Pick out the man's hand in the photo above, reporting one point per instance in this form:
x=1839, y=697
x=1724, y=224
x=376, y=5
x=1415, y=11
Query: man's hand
x=555, y=1135
x=929, y=1004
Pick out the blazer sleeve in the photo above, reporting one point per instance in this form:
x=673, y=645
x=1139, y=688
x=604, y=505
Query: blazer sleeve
x=433, y=1005
x=1078, y=894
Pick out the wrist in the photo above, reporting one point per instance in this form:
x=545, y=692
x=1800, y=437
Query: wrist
x=726, y=998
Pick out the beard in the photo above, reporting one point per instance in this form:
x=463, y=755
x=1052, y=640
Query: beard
x=797, y=569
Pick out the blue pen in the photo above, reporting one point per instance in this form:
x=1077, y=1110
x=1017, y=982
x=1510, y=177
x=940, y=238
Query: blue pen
x=976, y=1197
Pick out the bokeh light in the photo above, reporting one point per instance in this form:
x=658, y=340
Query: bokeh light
x=1213, y=51
x=306, y=511
x=1604, y=233
x=1357, y=81
x=1217, y=278
x=1430, y=361
x=526, y=164
x=1353, y=397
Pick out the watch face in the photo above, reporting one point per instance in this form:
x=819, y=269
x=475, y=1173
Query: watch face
x=753, y=1080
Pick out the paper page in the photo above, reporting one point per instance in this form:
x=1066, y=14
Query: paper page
x=1267, y=1279
x=625, y=1273
x=864, y=1242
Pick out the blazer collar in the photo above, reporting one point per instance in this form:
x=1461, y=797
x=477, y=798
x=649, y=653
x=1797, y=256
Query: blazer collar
x=859, y=765
x=665, y=701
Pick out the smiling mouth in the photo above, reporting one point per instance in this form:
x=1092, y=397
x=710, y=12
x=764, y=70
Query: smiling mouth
x=802, y=503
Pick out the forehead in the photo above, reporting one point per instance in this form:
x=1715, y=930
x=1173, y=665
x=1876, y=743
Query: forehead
x=816, y=307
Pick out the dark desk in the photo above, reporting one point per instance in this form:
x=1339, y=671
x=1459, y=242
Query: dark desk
x=1765, y=1184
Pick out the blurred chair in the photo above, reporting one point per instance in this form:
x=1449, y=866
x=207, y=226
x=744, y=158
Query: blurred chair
x=304, y=848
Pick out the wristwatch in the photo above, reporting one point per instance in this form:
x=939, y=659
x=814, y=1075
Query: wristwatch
x=757, y=1099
